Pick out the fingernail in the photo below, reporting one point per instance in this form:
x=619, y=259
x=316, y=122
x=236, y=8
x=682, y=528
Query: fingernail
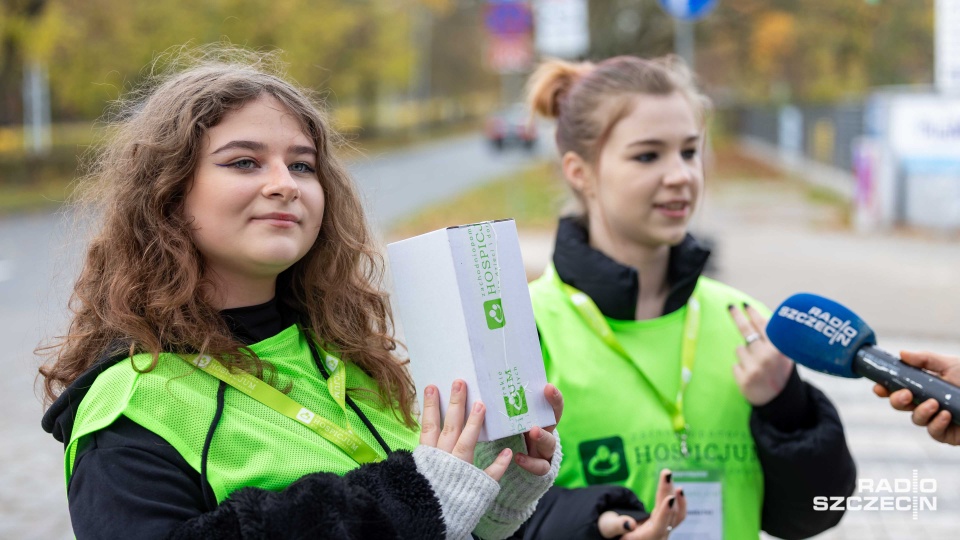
x=429, y=391
x=627, y=525
x=729, y=307
x=669, y=477
x=746, y=305
x=672, y=500
x=457, y=385
x=478, y=406
x=680, y=492
x=556, y=391
x=521, y=459
x=505, y=452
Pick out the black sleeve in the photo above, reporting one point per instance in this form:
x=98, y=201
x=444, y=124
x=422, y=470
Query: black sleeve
x=129, y=483
x=573, y=513
x=803, y=451
x=383, y=500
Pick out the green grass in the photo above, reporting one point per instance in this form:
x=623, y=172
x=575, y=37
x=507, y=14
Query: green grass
x=842, y=210
x=19, y=198
x=821, y=195
x=28, y=184
x=532, y=196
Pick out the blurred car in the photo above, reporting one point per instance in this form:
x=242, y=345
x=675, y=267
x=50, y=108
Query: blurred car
x=512, y=126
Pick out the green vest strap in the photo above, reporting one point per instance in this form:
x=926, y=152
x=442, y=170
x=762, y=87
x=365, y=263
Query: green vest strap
x=345, y=439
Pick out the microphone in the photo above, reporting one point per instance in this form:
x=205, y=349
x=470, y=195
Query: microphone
x=827, y=337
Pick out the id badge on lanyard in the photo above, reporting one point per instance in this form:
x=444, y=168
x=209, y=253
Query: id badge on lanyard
x=704, y=493
x=702, y=489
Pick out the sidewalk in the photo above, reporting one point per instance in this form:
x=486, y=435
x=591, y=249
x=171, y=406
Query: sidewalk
x=771, y=242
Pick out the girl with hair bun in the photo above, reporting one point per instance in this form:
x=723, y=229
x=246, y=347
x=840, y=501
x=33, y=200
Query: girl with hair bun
x=229, y=369
x=664, y=367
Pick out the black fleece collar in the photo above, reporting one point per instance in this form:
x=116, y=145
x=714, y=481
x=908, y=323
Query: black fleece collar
x=253, y=324
x=614, y=287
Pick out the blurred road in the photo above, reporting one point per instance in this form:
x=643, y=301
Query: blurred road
x=771, y=242
x=38, y=261
x=398, y=183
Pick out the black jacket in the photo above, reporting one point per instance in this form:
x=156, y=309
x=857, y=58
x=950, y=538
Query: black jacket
x=799, y=438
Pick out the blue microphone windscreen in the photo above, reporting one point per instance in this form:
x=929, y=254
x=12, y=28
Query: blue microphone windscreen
x=819, y=333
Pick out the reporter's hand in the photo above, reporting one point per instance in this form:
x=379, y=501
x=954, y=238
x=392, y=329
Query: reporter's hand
x=938, y=425
x=457, y=437
x=541, y=443
x=670, y=510
x=763, y=371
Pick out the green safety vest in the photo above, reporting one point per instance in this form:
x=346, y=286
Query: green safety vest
x=616, y=428
x=253, y=445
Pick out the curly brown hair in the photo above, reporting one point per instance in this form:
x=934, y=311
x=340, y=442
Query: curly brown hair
x=142, y=286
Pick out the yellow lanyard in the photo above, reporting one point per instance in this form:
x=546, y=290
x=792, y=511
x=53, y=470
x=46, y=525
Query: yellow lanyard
x=595, y=320
x=346, y=439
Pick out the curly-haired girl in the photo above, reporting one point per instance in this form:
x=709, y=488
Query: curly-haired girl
x=229, y=368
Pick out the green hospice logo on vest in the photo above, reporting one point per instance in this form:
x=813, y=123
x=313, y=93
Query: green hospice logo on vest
x=604, y=461
x=494, y=312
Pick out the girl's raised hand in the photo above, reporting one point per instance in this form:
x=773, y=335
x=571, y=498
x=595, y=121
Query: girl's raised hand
x=541, y=443
x=763, y=371
x=670, y=511
x=456, y=436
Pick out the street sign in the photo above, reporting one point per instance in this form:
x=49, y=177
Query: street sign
x=507, y=18
x=509, y=29
x=688, y=10
x=509, y=53
x=562, y=28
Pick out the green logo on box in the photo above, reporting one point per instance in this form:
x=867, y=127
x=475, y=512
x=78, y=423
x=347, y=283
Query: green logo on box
x=604, y=461
x=494, y=311
x=516, y=403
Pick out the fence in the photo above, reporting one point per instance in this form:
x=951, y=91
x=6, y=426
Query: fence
x=824, y=133
x=895, y=156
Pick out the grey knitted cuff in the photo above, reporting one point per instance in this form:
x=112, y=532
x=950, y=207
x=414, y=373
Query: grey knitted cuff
x=464, y=491
x=520, y=491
